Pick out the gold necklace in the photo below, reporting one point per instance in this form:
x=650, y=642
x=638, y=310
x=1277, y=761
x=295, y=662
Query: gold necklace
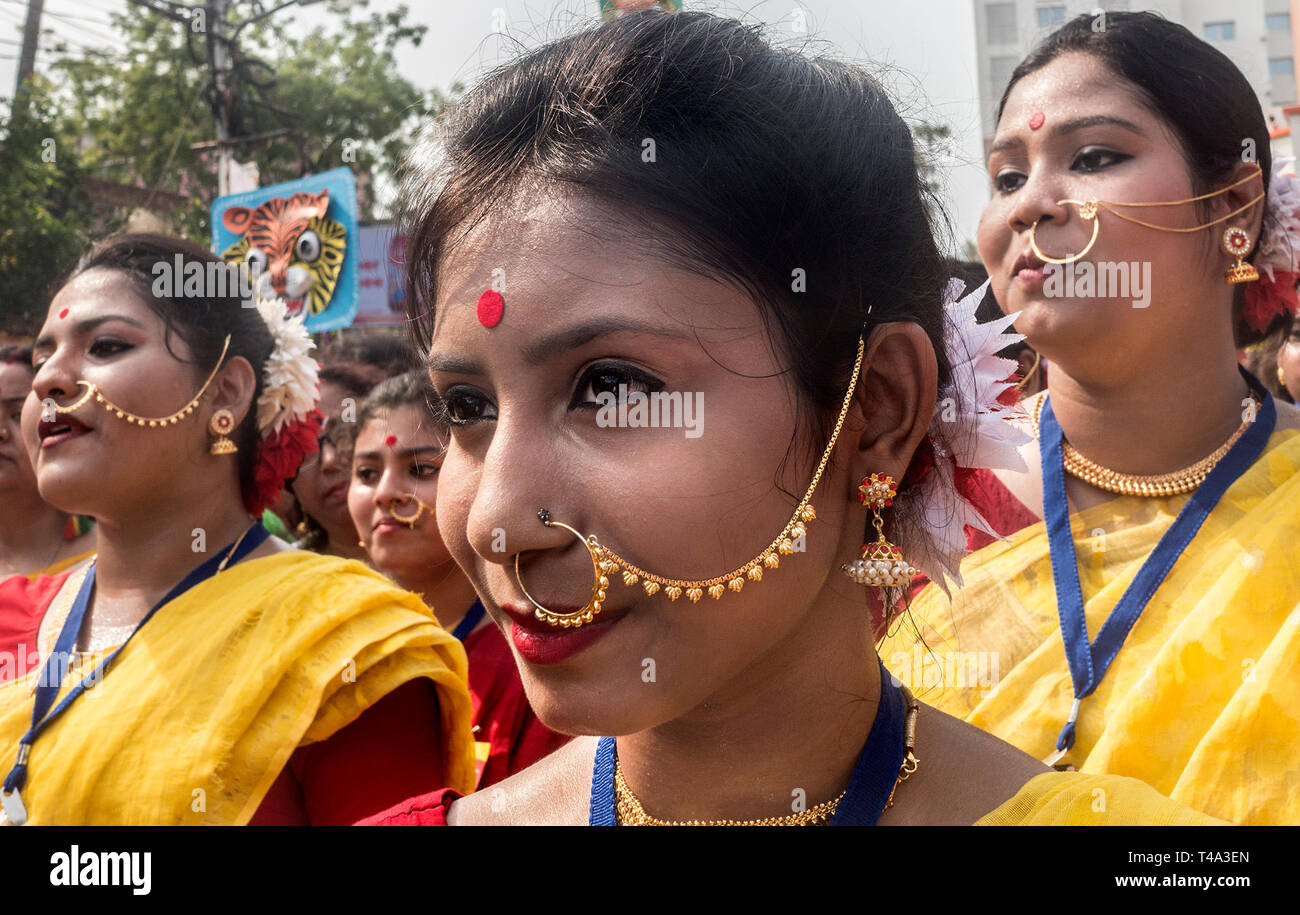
x=629, y=812
x=1131, y=484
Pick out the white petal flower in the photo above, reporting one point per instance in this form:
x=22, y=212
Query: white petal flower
x=291, y=378
x=1282, y=215
x=970, y=429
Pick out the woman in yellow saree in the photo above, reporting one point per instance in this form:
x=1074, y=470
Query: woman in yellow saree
x=199, y=672
x=1149, y=626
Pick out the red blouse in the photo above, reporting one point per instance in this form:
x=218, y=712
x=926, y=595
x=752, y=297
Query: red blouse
x=503, y=719
x=23, y=603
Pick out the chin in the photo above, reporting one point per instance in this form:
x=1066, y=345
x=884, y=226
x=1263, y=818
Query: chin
x=583, y=708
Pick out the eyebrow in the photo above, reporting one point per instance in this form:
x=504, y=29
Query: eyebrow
x=86, y=326
x=1068, y=127
x=535, y=352
x=404, y=452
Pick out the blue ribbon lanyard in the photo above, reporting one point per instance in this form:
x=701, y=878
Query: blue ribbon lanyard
x=1090, y=661
x=873, y=780
x=51, y=677
x=469, y=621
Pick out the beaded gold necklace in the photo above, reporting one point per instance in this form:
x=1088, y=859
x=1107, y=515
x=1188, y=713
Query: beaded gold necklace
x=1130, y=484
x=629, y=811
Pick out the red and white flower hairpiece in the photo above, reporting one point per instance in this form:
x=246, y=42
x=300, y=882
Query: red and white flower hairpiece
x=288, y=423
x=970, y=429
x=1276, y=259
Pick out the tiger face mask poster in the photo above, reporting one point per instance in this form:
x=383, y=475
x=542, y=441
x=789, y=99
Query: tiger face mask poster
x=300, y=239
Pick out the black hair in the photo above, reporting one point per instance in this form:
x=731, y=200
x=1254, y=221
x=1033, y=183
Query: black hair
x=412, y=389
x=201, y=321
x=1192, y=86
x=771, y=169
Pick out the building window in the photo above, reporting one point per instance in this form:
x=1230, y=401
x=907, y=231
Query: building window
x=1051, y=16
x=1281, y=66
x=1278, y=22
x=1000, y=73
x=1001, y=21
x=1220, y=31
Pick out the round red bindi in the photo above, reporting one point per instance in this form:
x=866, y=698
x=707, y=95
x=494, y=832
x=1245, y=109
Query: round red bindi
x=390, y=441
x=1036, y=120
x=490, y=307
x=63, y=313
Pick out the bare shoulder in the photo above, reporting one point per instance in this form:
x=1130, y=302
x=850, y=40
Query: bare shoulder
x=963, y=773
x=554, y=791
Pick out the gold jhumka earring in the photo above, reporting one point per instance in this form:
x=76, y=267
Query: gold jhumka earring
x=1088, y=211
x=420, y=508
x=882, y=564
x=605, y=563
x=143, y=421
x=221, y=425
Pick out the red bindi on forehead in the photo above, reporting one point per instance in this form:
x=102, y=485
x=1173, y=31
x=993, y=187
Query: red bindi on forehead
x=490, y=308
x=390, y=441
x=63, y=313
x=1036, y=120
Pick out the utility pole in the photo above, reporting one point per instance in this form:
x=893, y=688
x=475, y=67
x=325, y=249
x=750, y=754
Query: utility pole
x=219, y=61
x=31, y=32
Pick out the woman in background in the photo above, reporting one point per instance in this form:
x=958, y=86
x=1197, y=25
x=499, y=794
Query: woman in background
x=395, y=472
x=235, y=680
x=35, y=537
x=1147, y=625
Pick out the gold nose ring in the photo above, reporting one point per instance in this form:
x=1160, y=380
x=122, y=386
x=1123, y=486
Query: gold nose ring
x=588, y=611
x=420, y=508
x=1087, y=211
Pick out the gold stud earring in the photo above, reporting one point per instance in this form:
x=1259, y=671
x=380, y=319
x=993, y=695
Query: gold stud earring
x=221, y=425
x=1236, y=242
x=882, y=563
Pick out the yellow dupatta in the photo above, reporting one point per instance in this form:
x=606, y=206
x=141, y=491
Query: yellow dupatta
x=1203, y=700
x=62, y=565
x=203, y=708
x=1076, y=799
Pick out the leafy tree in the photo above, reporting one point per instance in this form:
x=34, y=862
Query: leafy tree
x=311, y=100
x=44, y=213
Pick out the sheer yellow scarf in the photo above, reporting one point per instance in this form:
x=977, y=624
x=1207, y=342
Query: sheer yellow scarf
x=202, y=709
x=1203, y=700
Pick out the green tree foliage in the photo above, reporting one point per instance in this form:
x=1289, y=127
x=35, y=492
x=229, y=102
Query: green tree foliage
x=318, y=99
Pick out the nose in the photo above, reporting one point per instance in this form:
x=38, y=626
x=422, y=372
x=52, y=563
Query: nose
x=515, y=480
x=390, y=492
x=1036, y=202
x=56, y=379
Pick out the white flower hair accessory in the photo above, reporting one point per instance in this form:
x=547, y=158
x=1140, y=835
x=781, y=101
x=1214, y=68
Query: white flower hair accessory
x=291, y=378
x=288, y=422
x=1276, y=259
x=970, y=429
x=1282, y=215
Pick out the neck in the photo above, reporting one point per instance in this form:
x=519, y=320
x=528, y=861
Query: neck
x=448, y=593
x=31, y=534
x=143, y=555
x=1164, y=419
x=796, y=719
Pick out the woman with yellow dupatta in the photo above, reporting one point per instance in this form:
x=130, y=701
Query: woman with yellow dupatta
x=1150, y=625
x=600, y=542
x=198, y=672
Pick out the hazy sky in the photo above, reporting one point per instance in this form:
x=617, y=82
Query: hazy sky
x=924, y=50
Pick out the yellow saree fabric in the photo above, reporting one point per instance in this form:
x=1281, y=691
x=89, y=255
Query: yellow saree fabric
x=202, y=709
x=57, y=567
x=1203, y=700
x=1076, y=799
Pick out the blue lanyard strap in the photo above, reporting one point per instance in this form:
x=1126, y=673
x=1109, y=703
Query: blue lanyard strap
x=873, y=780
x=51, y=676
x=1090, y=661
x=469, y=621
